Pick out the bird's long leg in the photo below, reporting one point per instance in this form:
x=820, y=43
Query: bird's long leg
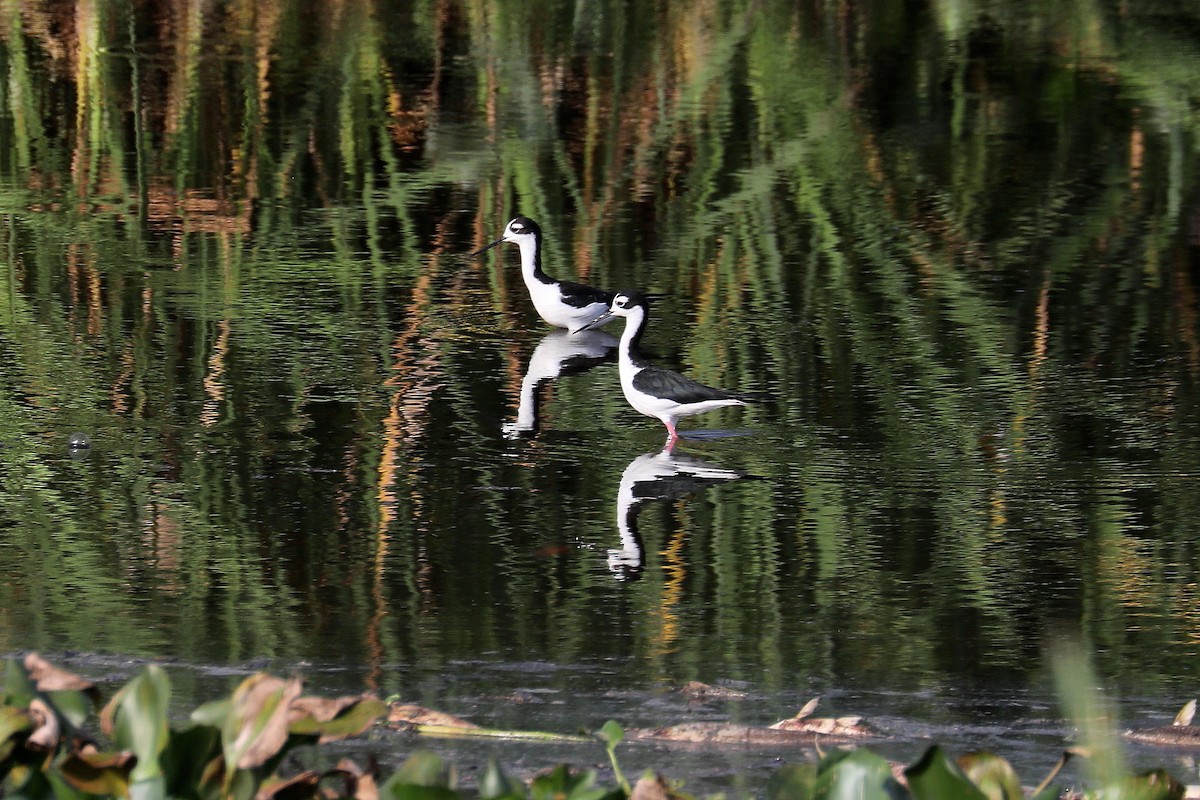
x=672, y=435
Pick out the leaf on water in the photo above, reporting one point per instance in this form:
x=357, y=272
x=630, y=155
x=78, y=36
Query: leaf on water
x=992, y=774
x=419, y=715
x=257, y=727
x=46, y=733
x=49, y=678
x=334, y=719
x=1185, y=715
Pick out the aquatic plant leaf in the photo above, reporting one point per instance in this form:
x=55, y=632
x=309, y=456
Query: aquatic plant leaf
x=362, y=784
x=301, y=785
x=935, y=777
x=992, y=774
x=94, y=772
x=213, y=713
x=423, y=776
x=148, y=789
x=792, y=782
x=74, y=706
x=19, y=689
x=410, y=791
x=189, y=755
x=12, y=722
x=611, y=733
x=1155, y=785
x=855, y=773
x=561, y=782
x=495, y=785
x=136, y=718
x=257, y=726
x=422, y=769
x=334, y=719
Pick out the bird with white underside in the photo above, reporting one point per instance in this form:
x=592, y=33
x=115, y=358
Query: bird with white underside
x=563, y=304
x=656, y=392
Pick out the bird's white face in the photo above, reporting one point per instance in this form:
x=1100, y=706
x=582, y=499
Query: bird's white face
x=518, y=231
x=622, y=305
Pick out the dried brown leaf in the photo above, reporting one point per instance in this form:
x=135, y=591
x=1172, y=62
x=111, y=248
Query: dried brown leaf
x=47, y=733
x=362, y=784
x=419, y=715
x=261, y=707
x=652, y=788
x=49, y=678
x=303, y=785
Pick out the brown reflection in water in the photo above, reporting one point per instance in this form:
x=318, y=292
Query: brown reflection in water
x=214, y=385
x=674, y=574
x=415, y=380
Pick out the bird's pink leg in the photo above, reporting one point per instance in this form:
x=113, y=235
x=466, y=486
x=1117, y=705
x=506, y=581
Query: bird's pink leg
x=672, y=436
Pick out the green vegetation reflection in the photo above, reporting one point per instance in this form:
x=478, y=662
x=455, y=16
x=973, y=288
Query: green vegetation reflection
x=954, y=239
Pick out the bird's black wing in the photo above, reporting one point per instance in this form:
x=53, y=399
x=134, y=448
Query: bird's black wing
x=579, y=295
x=665, y=383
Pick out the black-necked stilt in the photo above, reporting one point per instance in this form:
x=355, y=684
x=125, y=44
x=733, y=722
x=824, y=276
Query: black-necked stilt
x=563, y=304
x=657, y=392
x=664, y=475
x=558, y=353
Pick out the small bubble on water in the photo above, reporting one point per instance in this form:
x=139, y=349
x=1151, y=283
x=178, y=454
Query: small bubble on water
x=78, y=441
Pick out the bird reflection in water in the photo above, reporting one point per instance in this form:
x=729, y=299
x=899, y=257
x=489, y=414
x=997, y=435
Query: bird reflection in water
x=558, y=353
x=661, y=475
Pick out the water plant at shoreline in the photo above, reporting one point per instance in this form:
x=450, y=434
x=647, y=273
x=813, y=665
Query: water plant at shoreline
x=235, y=749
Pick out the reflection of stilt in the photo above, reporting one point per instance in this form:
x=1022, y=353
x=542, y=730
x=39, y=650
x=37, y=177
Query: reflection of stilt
x=662, y=475
x=558, y=353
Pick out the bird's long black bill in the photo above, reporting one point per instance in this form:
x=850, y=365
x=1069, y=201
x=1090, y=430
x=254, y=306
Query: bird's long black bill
x=600, y=320
x=483, y=250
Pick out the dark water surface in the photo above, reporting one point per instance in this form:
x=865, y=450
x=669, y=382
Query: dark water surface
x=959, y=249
